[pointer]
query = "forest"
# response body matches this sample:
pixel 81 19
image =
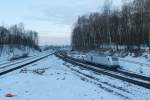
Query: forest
pixel 127 27
pixel 16 36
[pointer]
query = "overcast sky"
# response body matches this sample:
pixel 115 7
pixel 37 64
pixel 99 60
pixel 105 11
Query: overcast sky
pixel 53 19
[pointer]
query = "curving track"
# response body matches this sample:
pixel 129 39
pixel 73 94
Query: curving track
pixel 143 81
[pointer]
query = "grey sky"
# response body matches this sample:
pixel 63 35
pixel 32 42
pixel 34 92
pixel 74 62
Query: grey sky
pixel 53 19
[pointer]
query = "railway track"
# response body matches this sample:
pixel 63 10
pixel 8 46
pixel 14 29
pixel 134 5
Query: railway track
pixel 5 64
pixel 13 61
pixel 12 66
pixel 135 79
pixel 101 84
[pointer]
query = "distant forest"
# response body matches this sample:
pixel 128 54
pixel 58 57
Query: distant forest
pixel 17 37
pixel 127 27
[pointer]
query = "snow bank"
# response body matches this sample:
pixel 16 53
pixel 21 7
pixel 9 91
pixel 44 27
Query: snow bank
pixel 8 53
pixel 137 65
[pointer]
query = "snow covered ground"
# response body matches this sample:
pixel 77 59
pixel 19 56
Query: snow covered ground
pixel 54 79
pixel 139 65
pixel 7 54
pixel 136 65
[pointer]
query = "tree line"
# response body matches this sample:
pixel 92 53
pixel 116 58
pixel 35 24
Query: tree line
pixel 16 36
pixel 128 27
